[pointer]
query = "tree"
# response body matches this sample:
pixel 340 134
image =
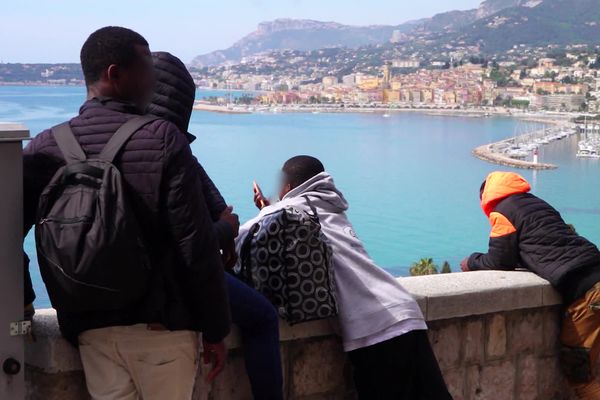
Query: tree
pixel 446 269
pixel 425 266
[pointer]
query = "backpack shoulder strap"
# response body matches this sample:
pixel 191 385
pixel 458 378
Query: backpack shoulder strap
pixel 123 134
pixel 67 143
pixel 312 206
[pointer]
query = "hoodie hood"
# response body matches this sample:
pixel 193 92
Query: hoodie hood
pixel 500 185
pixel 175 91
pixel 323 188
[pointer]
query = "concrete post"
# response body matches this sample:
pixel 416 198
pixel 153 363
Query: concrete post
pixel 12 327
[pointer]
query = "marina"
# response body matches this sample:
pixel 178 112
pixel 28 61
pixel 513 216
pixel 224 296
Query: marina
pixel 522 150
pixel 589 146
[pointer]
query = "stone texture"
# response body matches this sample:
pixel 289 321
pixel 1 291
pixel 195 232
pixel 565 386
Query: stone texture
pixel 496 341
pixel 232 384
pixel 552 384
pixel 59 386
pixel 478 293
pixel 317 368
pixel 493 382
pixel 455 380
pixel 494 334
pixel 50 352
pixel 527 383
pixel 526 332
pixel 550 297
pixel 551 322
pixel 446 342
pixel 474 345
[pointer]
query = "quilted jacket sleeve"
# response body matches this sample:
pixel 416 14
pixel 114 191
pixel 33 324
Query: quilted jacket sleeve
pixel 39 166
pixel 191 228
pixel 503 252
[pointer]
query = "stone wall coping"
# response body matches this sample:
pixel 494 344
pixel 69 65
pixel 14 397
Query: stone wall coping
pixel 456 295
pixel 444 296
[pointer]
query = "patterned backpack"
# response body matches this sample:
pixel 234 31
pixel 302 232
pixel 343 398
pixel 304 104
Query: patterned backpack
pixel 287 258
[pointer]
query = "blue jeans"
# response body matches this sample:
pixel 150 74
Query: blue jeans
pixel 258 322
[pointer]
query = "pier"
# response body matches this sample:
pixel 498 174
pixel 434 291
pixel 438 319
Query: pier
pixel 486 153
pixel 500 152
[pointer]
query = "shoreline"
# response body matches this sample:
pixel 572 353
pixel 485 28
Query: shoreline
pixel 532 116
pixel 484 152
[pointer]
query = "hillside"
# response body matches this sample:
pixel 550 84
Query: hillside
pixel 306 35
pixel 536 23
pixel 297 35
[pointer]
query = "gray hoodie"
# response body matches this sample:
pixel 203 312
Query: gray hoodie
pixel 370 300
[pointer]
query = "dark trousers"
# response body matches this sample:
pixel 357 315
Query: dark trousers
pixel 402 368
pixel 258 322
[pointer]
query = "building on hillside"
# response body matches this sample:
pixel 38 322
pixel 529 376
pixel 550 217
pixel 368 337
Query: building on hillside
pixel 406 64
pixel 329 81
pixel 558 102
pixel 391 96
pixel 368 82
pixel 349 80
pixel 396 36
pixel 546 62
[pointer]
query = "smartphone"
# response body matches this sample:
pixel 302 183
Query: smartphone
pixel 257 190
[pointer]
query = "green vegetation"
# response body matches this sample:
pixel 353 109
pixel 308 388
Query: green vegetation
pixel 426 266
pixel 446 269
pixel 500 76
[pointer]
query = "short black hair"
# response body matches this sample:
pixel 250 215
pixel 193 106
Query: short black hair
pixel 481 189
pixel 299 169
pixel 106 46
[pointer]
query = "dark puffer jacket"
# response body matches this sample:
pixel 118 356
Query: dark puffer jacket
pixel 187 290
pixel 173 100
pixel 527 232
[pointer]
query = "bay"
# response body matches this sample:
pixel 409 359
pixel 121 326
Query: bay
pixel 410 179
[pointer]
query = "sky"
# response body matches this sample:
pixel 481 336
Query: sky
pixel 53 31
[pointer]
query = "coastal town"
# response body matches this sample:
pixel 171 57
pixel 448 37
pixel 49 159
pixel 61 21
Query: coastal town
pixel 569 81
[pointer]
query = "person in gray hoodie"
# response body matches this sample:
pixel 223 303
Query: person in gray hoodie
pixel 382 327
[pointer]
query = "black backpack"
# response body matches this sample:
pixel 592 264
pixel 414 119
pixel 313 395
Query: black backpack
pixel 89 245
pixel 287 258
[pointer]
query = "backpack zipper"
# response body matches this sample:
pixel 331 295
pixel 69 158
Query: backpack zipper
pixel 65 221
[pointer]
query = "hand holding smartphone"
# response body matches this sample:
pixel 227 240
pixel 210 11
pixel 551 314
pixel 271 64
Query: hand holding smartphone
pixel 259 198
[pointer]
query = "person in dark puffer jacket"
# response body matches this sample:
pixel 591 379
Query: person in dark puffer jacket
pixel 256 318
pixel 529 233
pixel 149 347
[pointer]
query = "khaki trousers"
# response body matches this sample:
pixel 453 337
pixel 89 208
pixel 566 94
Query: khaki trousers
pixel 133 363
pixel 580 337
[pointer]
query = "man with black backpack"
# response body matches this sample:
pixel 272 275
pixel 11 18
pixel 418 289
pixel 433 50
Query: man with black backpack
pixel 125 242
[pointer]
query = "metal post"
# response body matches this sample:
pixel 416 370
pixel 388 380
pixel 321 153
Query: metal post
pixel 12 326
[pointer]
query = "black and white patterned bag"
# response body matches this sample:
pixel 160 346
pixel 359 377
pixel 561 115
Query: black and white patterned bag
pixel 287 257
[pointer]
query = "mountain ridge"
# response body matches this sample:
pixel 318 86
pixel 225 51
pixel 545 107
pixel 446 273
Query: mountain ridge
pixel 496 25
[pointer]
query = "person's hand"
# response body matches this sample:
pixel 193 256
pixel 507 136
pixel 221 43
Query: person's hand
pixel 232 219
pixel 260 201
pixel 215 354
pixel 464 265
pixel 230 256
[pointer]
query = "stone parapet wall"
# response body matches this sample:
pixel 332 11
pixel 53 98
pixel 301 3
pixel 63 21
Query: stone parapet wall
pixel 494 333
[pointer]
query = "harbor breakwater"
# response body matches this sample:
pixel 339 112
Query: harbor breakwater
pixel 499 152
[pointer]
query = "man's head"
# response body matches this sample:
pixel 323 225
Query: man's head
pixel 175 91
pixel 298 170
pixel 498 186
pixel 116 63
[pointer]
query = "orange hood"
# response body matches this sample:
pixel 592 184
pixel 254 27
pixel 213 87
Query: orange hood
pixel 500 185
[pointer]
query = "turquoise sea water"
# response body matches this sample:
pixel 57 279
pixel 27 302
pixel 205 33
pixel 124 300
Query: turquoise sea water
pixel 410 179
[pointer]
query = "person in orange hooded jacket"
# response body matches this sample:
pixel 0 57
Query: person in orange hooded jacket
pixel 529 233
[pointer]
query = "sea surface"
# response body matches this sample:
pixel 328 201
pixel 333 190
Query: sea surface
pixel 410 179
